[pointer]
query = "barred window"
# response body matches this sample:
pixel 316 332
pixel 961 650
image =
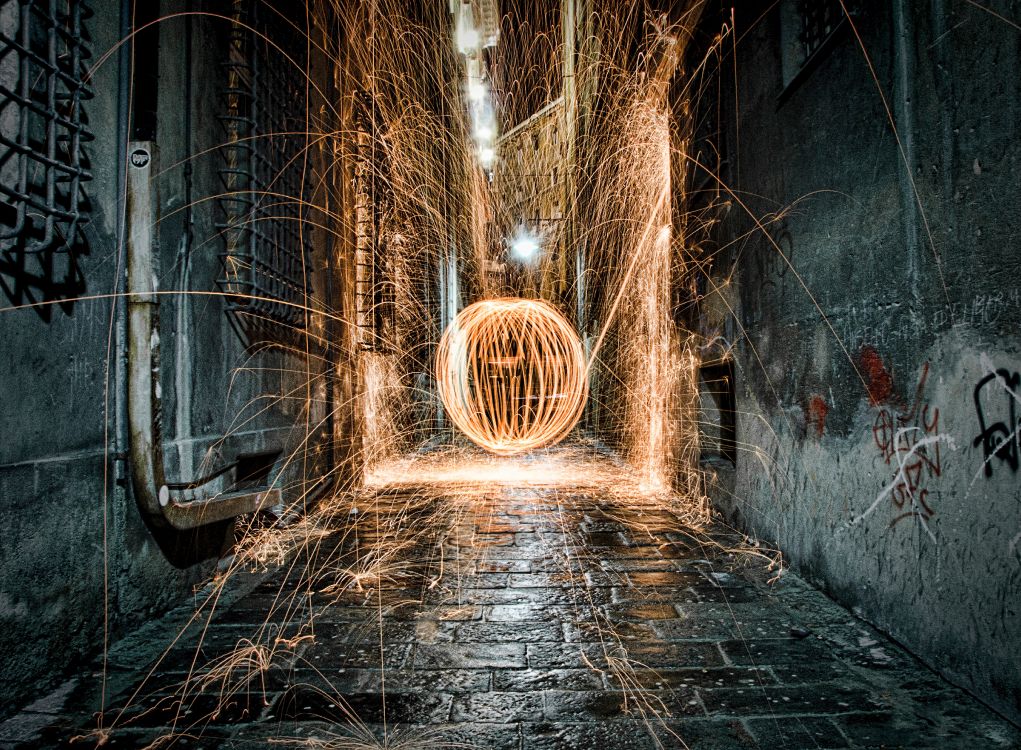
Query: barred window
pixel 43 167
pixel 808 28
pixel 718 411
pixel 819 19
pixel 376 240
pixel 267 242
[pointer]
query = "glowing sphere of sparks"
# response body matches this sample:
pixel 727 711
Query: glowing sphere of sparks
pixel 511 374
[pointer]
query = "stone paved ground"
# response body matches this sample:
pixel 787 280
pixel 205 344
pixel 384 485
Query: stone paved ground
pixel 546 606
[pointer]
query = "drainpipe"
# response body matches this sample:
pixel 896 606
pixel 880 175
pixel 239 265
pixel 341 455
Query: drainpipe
pixel 144 399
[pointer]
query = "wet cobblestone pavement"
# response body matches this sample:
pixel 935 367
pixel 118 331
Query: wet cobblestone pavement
pixel 533 615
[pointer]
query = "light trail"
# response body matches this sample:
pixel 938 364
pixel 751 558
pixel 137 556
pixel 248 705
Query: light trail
pixel 511 374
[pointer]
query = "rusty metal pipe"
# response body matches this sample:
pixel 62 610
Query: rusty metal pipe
pixel 144 396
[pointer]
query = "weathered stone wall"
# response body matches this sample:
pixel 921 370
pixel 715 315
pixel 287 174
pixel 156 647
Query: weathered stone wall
pixel 77 556
pixel 877 304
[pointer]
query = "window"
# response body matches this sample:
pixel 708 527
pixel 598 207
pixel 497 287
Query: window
pixel 808 29
pixel 818 21
pixel 718 411
pixel 267 242
pixel 43 167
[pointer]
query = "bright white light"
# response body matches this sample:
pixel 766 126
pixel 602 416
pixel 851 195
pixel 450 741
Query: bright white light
pixel 476 91
pixel 467 39
pixel 484 134
pixel 486 156
pixel 525 247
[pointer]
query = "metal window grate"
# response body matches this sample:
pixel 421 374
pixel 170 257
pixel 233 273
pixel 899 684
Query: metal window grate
pixel 267 242
pixel 819 19
pixel 43 168
pixel 718 430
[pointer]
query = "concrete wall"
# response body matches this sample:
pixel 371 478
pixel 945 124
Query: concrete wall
pixel 77 556
pixel 876 313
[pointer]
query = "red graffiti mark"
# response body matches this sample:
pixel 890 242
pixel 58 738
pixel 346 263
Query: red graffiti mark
pixel 817 411
pixel 880 383
pixel 897 434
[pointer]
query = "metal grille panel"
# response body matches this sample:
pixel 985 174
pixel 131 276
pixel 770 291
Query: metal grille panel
pixel 374 241
pixel 819 19
pixel 43 54
pixel 267 253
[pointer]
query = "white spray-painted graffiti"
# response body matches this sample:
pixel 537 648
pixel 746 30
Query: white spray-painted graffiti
pixel 983 309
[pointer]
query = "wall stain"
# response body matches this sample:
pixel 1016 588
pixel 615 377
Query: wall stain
pixel 880 382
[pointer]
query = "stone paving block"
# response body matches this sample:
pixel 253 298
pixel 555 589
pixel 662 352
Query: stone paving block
pixel 498 707
pixel 523 680
pixel 404 631
pixel 498 565
pixel 348 681
pixel 710 734
pixel 708 592
pixel 588 705
pixel 638 734
pixel 632 611
pixel 607 578
pixel 520 613
pixel 544 580
pixel 796 731
pixel 362 655
pixel 451 612
pixel 746 620
pixel 473 581
pixel 170 710
pixel 652 595
pixel 470 656
pixel 773 700
pixel 566 656
pixel 475 736
pixel 178 738
pixel 624 734
pixel 673 655
pixel 639 580
pixel 891 729
pixel 798 671
pixel 707 677
pixel 783 651
pixel 504 596
pixel 510 632
pixel 579 596
pixel 624 565
pixel 303 703
pixel 598 632
pixel 688 627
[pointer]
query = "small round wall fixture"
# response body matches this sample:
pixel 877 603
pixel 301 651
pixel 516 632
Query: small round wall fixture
pixel 511 374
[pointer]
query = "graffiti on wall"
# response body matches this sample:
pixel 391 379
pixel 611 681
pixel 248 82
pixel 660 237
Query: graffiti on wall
pixel 983 309
pixel 909 441
pixel 999 419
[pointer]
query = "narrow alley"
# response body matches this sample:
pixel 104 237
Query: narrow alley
pixel 532 374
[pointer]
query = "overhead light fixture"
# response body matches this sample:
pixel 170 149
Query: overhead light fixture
pixel 525 247
pixel 476 91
